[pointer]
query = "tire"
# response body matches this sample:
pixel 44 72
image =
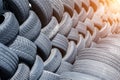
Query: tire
pixel 95 32
pixel 61 43
pixel 71 53
pixel 25 49
pixel 8 63
pixel 44 46
pixel 82 15
pixel 49 76
pixel 113 49
pixel 95 68
pixel 102 56
pixel 37 69
pixel 73 35
pixel 66 24
pixel 82 28
pixel 94 4
pixel 78 5
pixel 77 76
pixel 105 31
pixel 9 27
pixel 20 8
pixel 58 9
pixel 90 25
pixel 81 43
pixel 97 21
pixel 68 6
pixel 64 67
pixel 54 60
pixel 114 27
pixel 88 39
pixel 30 29
pixel 75 18
pixel 85 4
pixel 22 73
pixel 51 29
pixel 43 9
pixel 90 13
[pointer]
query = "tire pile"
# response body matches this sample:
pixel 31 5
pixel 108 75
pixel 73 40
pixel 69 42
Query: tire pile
pixel 59 40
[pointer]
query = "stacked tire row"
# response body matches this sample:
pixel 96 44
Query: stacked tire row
pixel 58 40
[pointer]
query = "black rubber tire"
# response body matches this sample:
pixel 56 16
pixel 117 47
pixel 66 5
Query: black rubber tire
pixel 8 63
pixel 94 4
pixel 58 9
pixel 77 76
pixel 8 28
pixel 25 49
pixel 37 69
pixel 64 67
pixel 61 43
pixel 43 9
pixel 44 46
pixel 54 60
pixel 95 68
pixel 85 4
pixel 77 5
pixel 71 53
pixel 22 72
pixel 30 29
pixel 68 6
pixel 90 25
pixel 82 28
pixel 49 76
pixel 88 39
pixel 20 8
pixel 82 15
pixel 90 13
pixel 99 55
pixel 51 29
pixel 75 18
pixel 73 35
pixel 103 32
pixel 97 21
pixel 66 24
pixel 81 43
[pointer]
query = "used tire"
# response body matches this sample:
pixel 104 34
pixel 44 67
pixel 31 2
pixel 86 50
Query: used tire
pixel 22 73
pixel 44 46
pixel 82 15
pixel 37 69
pixel 54 60
pixel 78 5
pixel 64 67
pixel 58 9
pixel 71 53
pixel 8 63
pixel 9 27
pixel 66 24
pixel 51 29
pixel 25 49
pixel 81 43
pixel 68 6
pixel 20 8
pixel 77 76
pixel 43 9
pixel 82 28
pixel 61 43
pixel 30 29
pixel 95 68
pixel 49 76
pixel 73 35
